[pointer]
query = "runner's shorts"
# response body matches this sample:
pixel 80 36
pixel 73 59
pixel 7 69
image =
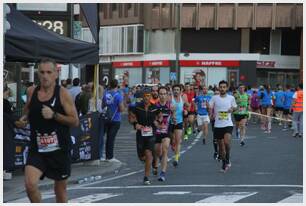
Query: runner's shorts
pixel 220 132
pixel 239 117
pixel 201 119
pixel 279 109
pixel 287 111
pixel 54 165
pixel 144 143
pixel 160 137
pixel 176 126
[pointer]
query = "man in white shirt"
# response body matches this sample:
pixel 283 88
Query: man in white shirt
pixel 75 89
pixel 223 105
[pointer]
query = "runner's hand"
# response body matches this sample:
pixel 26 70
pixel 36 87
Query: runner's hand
pixel 139 126
pixel 47 112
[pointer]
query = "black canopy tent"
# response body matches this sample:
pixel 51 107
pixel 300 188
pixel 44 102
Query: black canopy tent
pixel 28 42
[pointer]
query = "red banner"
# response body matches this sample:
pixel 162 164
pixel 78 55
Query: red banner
pixel 161 63
pixel 265 64
pixel 209 63
pixel 127 64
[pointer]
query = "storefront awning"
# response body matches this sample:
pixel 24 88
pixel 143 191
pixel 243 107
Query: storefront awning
pixel 28 42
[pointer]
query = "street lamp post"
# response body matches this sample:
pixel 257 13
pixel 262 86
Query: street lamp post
pixel 177 42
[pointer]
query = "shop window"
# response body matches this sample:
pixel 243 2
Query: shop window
pixel 114 7
pixel 121 39
pixel 260 41
pixel 291 41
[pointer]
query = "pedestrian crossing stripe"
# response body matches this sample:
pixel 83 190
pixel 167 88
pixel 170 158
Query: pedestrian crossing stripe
pixel 93 197
pixel 295 198
pixel 225 197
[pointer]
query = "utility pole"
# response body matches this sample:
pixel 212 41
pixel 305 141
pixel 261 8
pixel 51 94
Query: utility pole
pixel 177 41
pixel 71 36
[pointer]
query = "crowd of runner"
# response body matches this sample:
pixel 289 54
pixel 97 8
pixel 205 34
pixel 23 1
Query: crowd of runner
pixel 165 115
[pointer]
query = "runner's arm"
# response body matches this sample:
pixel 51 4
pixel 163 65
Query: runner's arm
pixel 71 118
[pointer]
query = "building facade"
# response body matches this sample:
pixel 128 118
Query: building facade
pixel 141 43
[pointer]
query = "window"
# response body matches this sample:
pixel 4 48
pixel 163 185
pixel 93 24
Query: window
pixel 291 41
pixel 121 39
pixel 155 5
pixel 114 7
pixel 260 41
pixel 129 6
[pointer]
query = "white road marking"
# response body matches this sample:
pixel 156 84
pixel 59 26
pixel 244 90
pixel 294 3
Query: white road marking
pixel 171 193
pixel 295 198
pixel 93 198
pixel 26 199
pixel 186 186
pixel 227 198
pixel 128 174
pixel 263 173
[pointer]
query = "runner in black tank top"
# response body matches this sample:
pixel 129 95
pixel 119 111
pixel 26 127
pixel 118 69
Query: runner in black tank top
pixel 53 135
pixel 50 111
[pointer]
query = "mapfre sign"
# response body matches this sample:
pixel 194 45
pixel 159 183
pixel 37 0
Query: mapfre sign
pixel 209 63
pixel 265 64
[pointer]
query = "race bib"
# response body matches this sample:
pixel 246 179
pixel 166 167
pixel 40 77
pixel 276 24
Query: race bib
pixel 223 116
pixel 203 105
pixel 147 132
pixel 47 142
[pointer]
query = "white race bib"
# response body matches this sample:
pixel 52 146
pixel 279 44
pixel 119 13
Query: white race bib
pixel 147 132
pixel 47 142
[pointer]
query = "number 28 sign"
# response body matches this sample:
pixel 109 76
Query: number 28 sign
pixel 57 26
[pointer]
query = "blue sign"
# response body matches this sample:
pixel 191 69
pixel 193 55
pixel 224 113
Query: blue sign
pixel 173 76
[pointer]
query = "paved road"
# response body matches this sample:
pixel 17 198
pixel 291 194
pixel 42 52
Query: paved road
pixel 268 169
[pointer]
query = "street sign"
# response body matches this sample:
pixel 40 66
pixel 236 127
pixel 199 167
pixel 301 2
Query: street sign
pixel 172 76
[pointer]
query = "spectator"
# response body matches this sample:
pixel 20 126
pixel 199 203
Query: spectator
pixel 82 99
pixel 64 83
pixel 75 89
pixel 113 100
pixel 68 82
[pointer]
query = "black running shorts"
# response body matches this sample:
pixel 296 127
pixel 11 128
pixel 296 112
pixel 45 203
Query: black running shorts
pixel 286 111
pixel 144 143
pixel 176 126
pixel 160 137
pixel 239 117
pixel 54 165
pixel 220 132
pixel 279 109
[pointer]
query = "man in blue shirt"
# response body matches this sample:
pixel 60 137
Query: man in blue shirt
pixel 201 103
pixel 279 103
pixel 288 94
pixel 113 100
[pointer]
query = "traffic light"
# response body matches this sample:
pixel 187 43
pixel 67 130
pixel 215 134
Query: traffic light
pixel 6 24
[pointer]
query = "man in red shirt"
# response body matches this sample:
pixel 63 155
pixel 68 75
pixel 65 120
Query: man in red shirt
pixel 189 119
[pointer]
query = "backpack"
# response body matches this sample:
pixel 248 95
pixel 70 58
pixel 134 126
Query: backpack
pixel 107 114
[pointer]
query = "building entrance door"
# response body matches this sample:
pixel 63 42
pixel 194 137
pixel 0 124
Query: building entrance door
pixel 233 78
pixel 275 78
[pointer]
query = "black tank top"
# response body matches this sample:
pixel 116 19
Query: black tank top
pixel 48 135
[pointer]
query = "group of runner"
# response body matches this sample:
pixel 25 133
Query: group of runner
pixel 165 115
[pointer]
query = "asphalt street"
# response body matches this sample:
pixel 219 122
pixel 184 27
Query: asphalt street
pixel 268 169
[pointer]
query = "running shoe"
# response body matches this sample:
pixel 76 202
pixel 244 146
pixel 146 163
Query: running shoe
pixel 186 137
pixel 300 135
pixel 154 171
pixel 175 163
pixel 189 130
pixel 219 158
pixel 267 131
pixel 295 134
pixel 146 181
pixel 215 155
pixel 204 141
pixel 242 143
pixel 162 177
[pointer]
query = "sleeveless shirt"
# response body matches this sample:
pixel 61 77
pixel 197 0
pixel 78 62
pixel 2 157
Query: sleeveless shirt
pixel 47 135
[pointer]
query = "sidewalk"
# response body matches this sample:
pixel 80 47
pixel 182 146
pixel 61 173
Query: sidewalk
pixel 14 189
